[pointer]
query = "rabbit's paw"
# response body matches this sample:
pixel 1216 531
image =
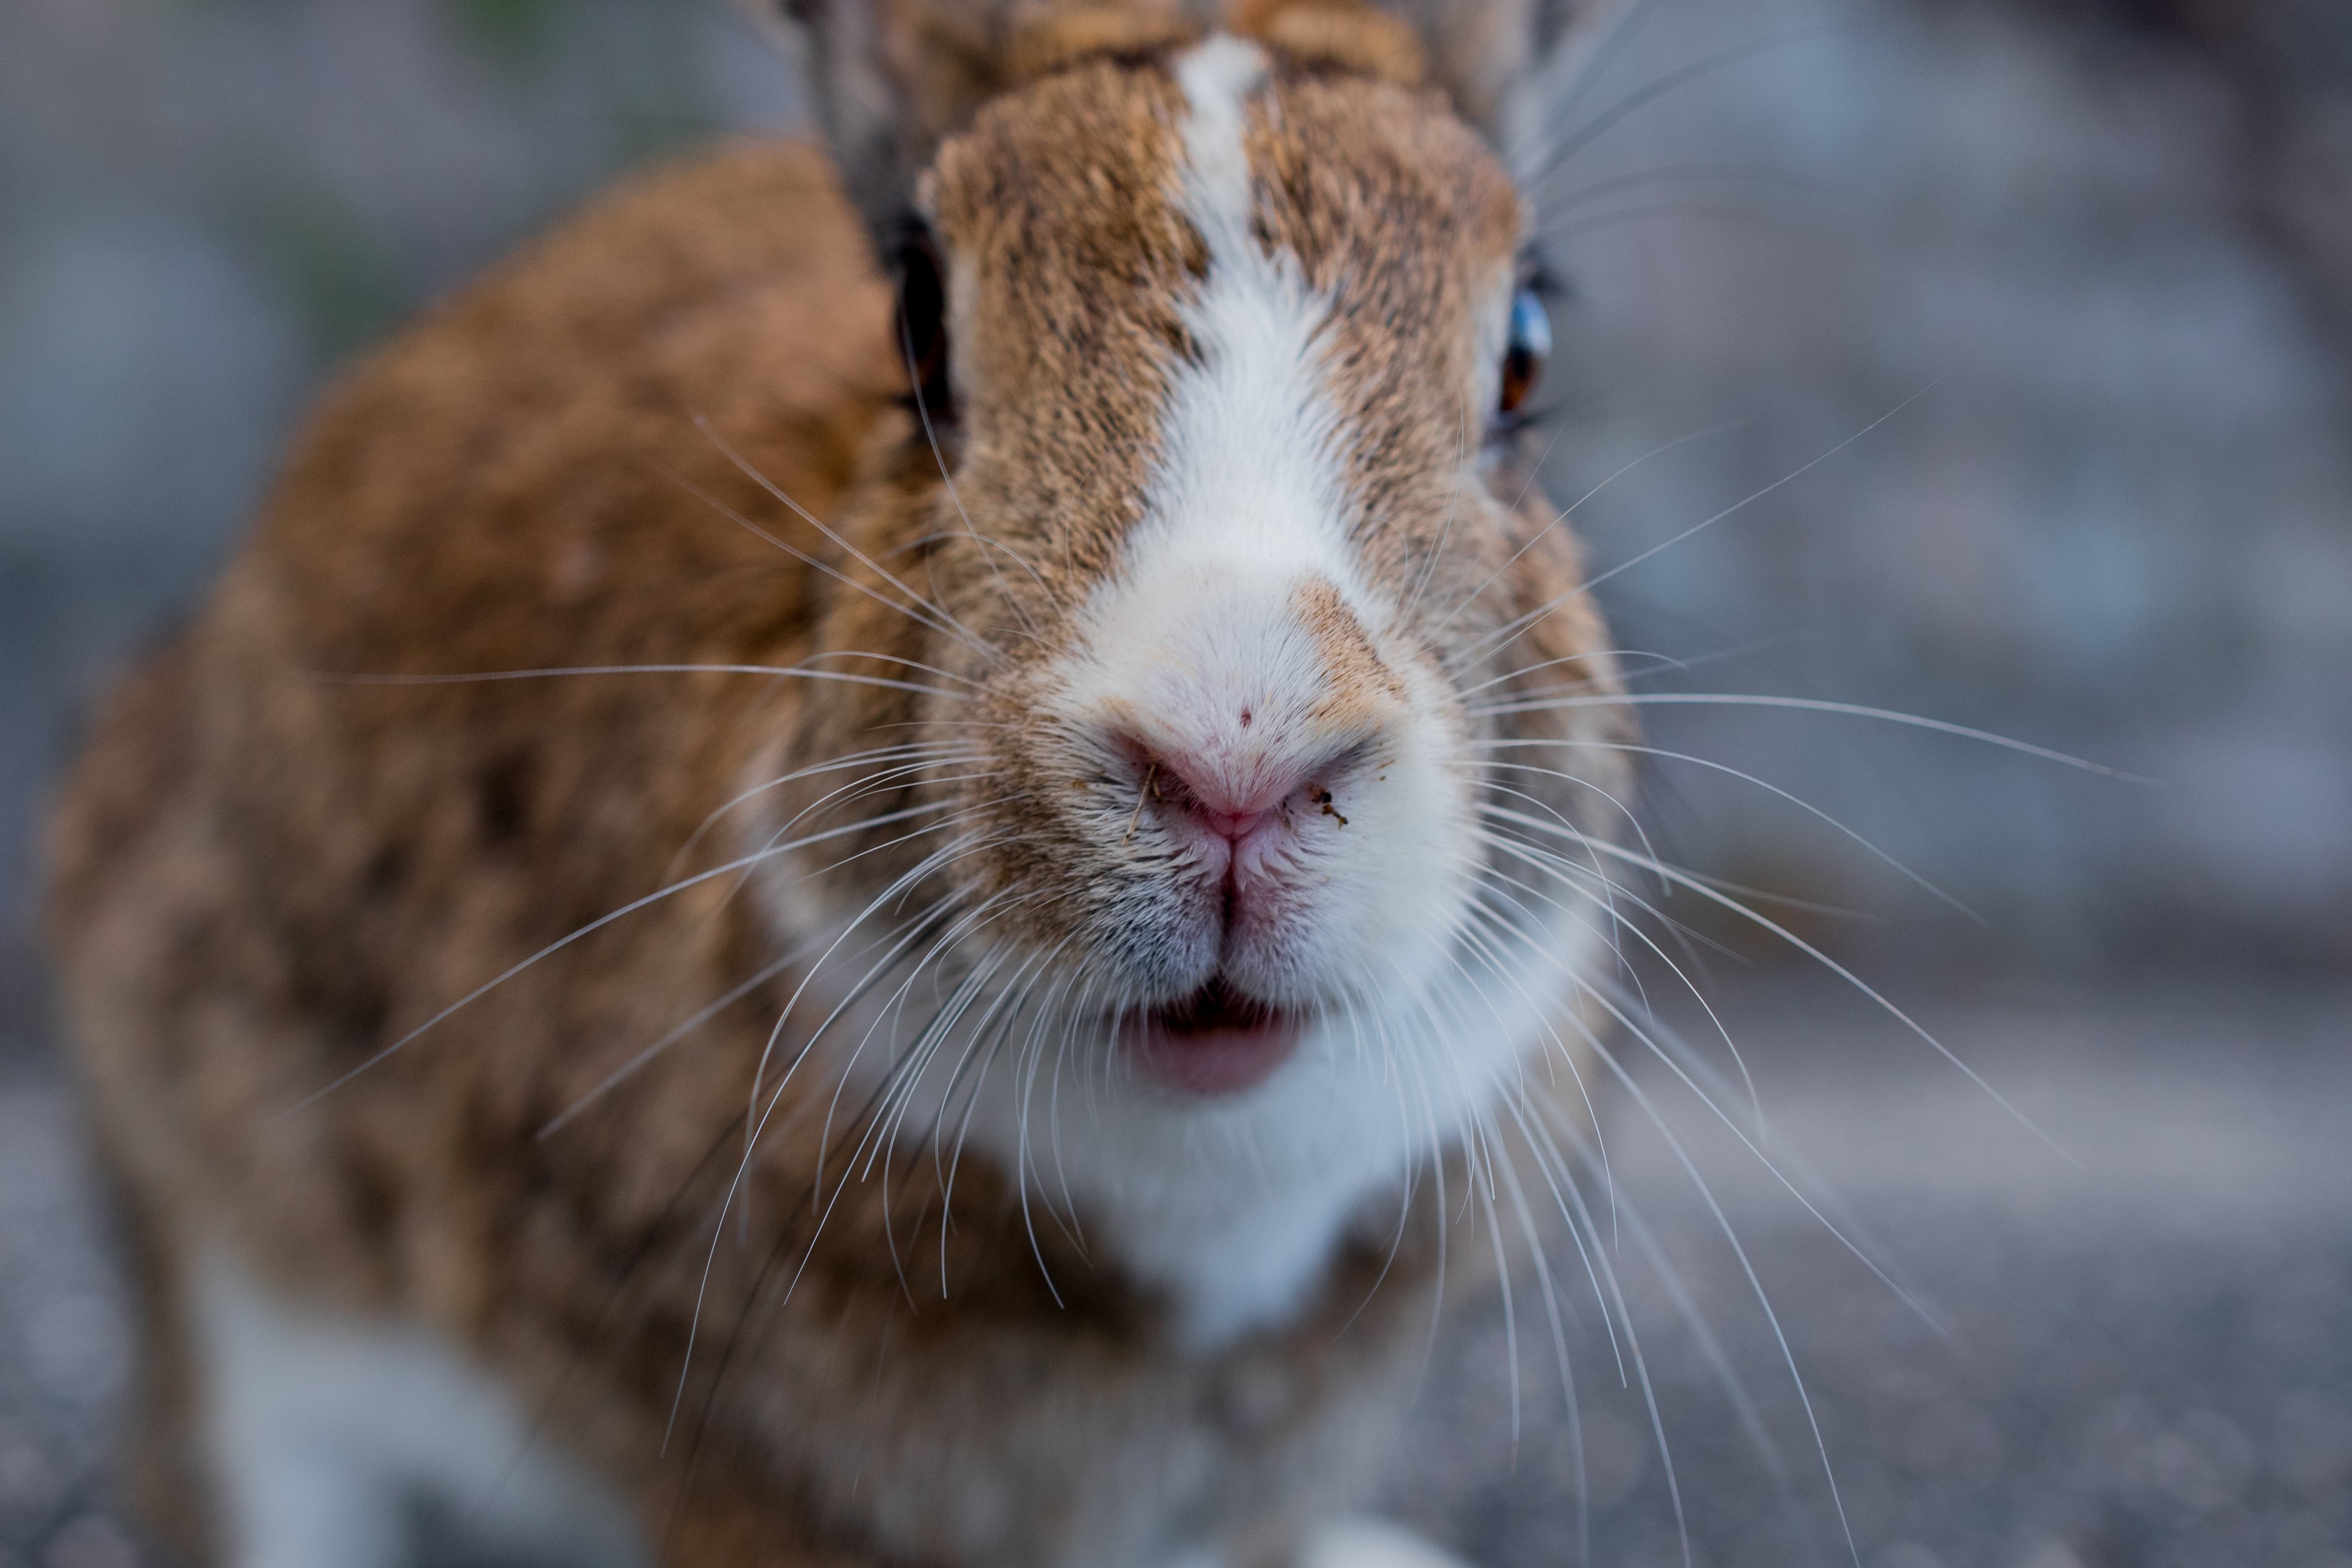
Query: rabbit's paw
pixel 1370 1543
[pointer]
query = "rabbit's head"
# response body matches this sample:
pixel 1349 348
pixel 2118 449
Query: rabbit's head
pixel 1224 771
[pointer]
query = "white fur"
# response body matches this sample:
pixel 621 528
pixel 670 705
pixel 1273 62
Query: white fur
pixel 1248 484
pixel 1368 1544
pixel 1236 1206
pixel 328 1435
pixel 1217 77
pixel 1352 1542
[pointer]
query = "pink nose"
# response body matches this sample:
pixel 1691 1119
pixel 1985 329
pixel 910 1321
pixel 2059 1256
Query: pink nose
pixel 1230 796
pixel 1234 824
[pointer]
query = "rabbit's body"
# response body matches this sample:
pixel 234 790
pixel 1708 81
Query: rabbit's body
pixel 750 1291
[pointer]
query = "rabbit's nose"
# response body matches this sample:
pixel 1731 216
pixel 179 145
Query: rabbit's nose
pixel 1245 714
pixel 1234 791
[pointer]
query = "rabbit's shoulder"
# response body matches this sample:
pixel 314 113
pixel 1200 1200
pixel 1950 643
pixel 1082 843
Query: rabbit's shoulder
pixel 268 846
pixel 594 415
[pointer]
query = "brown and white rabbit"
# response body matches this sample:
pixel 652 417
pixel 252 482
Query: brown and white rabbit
pixel 761 928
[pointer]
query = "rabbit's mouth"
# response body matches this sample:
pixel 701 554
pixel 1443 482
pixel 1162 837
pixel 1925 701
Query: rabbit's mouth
pixel 1215 1041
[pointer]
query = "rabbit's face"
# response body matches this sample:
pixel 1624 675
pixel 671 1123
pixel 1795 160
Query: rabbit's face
pixel 1227 588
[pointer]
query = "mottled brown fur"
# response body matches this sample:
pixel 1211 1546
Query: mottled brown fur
pixel 1334 35
pixel 275 863
pixel 895 78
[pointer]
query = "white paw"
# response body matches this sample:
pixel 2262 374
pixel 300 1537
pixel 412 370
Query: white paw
pixel 1368 1543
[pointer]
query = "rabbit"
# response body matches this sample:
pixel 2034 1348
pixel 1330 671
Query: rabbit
pixel 864 855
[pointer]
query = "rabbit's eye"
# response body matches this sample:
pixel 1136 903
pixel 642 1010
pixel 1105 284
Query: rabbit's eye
pixel 923 322
pixel 1529 346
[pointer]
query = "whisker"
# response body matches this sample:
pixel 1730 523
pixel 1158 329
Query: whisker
pixel 1029 1059
pixel 741 1170
pixel 1816 705
pixel 1571 509
pixel 1602 53
pixel 897 888
pixel 1756 1285
pixel 800 672
pixel 884 781
pixel 1802 805
pixel 1559 233
pixel 1615 656
pixel 1654 664
pixel 1738 1059
pixel 938 458
pixel 1722 901
pixel 946 622
pixel 646 1056
pixel 933 754
pixel 555 947
pixel 1686 173
pixel 1590 583
pixel 1613 890
pixel 1623 810
pixel 1571 141
pixel 972 1104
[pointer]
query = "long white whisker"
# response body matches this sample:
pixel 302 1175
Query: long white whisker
pixel 1680 173
pixel 945 622
pixel 1568 142
pixel 1739 1060
pixel 645 1058
pixel 1683 879
pixel 1602 53
pixel 1575 688
pixel 1749 499
pixel 897 888
pixel 1812 705
pixel 1731 1236
pixel 741 1170
pixel 800 673
pixel 557 946
pixel 1769 788
pixel 1570 510
pixel 948 479
pixel 933 754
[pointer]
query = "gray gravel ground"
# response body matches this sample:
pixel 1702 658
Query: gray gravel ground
pixel 2143 1359
pixel 2144 1356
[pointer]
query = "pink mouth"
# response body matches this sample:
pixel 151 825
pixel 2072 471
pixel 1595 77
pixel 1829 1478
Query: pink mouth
pixel 1215 1041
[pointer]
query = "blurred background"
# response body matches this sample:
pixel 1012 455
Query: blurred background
pixel 2023 329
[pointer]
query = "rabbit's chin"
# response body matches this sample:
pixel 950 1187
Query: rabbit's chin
pixel 1219 1149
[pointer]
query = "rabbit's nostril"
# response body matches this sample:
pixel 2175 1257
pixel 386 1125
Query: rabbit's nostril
pixel 1228 795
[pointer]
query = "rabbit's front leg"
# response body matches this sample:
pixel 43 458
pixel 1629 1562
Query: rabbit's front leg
pixel 330 1439
pixel 1360 1542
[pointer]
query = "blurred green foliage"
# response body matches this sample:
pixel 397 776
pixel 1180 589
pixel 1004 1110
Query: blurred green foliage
pixel 338 277
pixel 509 32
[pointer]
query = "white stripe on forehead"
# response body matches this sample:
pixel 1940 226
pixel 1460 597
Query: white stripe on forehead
pixel 1247 479
pixel 1218 77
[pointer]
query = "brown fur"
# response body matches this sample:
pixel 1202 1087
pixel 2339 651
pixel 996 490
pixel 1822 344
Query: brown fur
pixel 895 78
pixel 1391 206
pixel 267 872
pixel 1336 34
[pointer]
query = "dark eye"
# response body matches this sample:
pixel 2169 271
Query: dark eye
pixel 923 322
pixel 1529 346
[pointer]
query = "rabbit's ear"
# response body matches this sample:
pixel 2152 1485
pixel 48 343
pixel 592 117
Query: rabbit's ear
pixel 892 79
pixel 1493 57
pixel 1495 60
